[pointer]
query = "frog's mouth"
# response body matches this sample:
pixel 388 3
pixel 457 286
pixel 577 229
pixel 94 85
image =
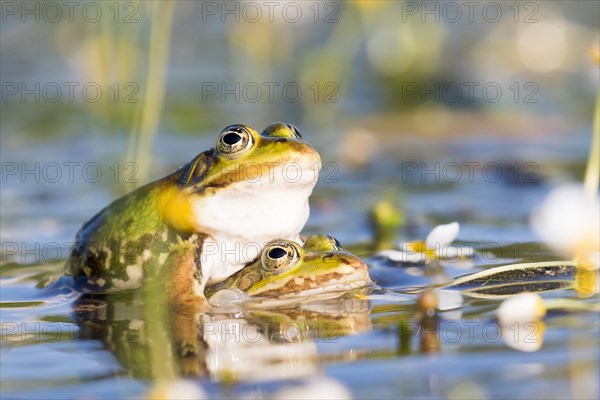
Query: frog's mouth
pixel 284 296
pixel 334 290
pixel 324 293
pixel 334 283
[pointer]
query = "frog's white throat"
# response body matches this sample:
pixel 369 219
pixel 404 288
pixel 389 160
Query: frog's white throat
pixel 241 219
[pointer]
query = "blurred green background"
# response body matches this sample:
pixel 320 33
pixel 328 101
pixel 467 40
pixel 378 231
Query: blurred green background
pixel 373 84
pixel 327 66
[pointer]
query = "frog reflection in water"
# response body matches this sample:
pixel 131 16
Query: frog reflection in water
pixel 207 343
pixel 208 219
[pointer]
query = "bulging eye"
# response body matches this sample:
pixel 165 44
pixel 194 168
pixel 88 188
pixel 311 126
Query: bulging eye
pixel 295 130
pixel 322 244
pixel 334 243
pixel 234 140
pixel 281 130
pixel 279 256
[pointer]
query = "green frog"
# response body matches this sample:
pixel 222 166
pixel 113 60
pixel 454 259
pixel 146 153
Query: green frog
pixel 207 219
pixel 286 269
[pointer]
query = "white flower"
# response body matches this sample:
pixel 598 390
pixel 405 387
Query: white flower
pixel 442 235
pixel 520 321
pixel 525 336
pixel 568 221
pixel 524 307
pixel 437 246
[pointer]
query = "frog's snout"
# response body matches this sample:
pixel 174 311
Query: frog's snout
pixel 352 260
pixel 360 271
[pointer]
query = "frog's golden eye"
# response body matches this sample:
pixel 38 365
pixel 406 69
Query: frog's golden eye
pixel 234 140
pixel 279 256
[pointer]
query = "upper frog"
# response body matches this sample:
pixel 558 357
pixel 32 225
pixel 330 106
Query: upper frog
pixel 286 269
pixel 211 216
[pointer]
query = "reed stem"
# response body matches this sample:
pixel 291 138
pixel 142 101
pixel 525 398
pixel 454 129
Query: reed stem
pixel 160 34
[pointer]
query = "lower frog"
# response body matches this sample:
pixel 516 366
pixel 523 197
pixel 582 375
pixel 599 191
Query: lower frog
pixel 209 218
pixel 285 270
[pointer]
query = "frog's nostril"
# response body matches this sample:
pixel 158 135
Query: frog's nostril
pixel 231 138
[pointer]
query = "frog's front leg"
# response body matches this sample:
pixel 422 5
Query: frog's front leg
pixel 184 283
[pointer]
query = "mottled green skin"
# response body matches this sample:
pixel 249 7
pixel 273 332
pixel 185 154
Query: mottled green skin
pixel 321 264
pixel 117 236
pixel 132 238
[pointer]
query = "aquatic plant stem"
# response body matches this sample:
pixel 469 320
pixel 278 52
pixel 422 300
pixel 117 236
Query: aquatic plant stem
pixel 143 130
pixel 160 34
pixel 592 172
pixel 158 333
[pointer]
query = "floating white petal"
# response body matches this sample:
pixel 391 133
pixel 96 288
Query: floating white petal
pixel 524 336
pixel 442 235
pixel 520 321
pixel 522 308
